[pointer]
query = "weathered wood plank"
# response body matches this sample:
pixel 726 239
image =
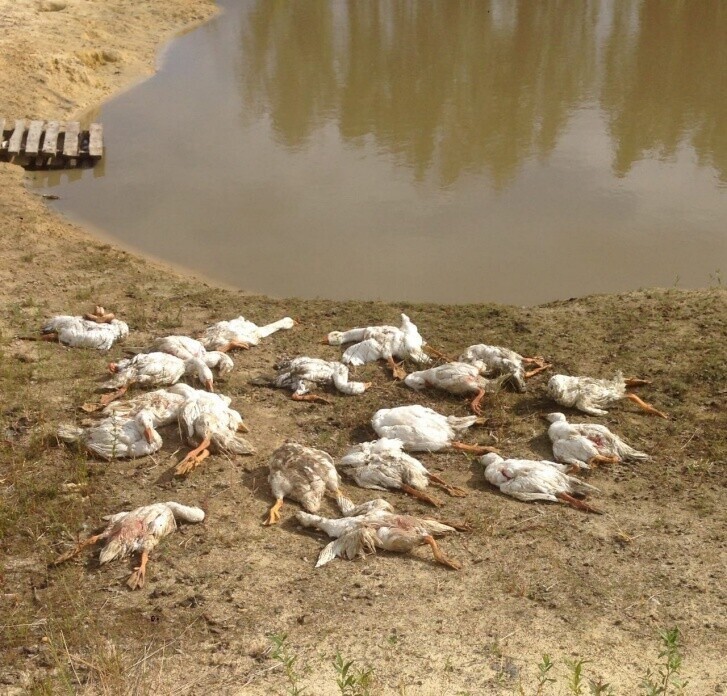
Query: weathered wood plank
pixel 95 143
pixel 70 143
pixel 50 141
pixel 16 138
pixel 32 144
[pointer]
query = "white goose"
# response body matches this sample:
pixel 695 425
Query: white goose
pixel 117 437
pixel 529 480
pixel 81 332
pixel 186 348
pixel 382 343
pixel 496 360
pixel 163 404
pixel 301 374
pixel 456 378
pixel 592 395
pixel 422 429
pixel 383 465
pixel 583 445
pixel 206 421
pixel 304 474
pixel 357 536
pixel 240 333
pixel 154 370
pixel 136 531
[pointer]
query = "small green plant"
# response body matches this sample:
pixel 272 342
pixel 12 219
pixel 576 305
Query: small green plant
pixel 575 681
pixel 544 668
pixel 667 679
pixel 352 680
pixel 282 654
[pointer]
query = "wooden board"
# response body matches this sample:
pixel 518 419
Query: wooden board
pixel 95 143
pixel 50 141
pixel 32 144
pixel 16 138
pixel 70 143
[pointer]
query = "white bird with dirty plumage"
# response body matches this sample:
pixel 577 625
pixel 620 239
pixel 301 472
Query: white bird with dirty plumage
pixel 456 378
pixel 117 437
pixel 583 445
pixel 208 423
pixel 378 529
pixel 186 348
pixel 304 474
pixel 529 480
pixel 240 333
pixel 383 465
pixel 137 531
pixel 302 374
pixel 592 395
pixel 422 429
pixel 80 332
pixel 496 360
pixel 374 343
pixel 154 370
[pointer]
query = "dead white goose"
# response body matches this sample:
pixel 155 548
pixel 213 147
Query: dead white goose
pixel 496 360
pixel 378 529
pixel 302 374
pixel 116 437
pixel 592 395
pixel 422 429
pixel 531 481
pixel 374 343
pixel 240 333
pixel 456 378
pixel 303 474
pixel 383 465
pixel 138 530
pixel 583 445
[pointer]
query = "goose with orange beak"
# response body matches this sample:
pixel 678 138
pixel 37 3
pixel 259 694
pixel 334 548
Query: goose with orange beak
pixel 116 437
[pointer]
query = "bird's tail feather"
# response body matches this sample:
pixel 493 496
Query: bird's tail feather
pixel 69 433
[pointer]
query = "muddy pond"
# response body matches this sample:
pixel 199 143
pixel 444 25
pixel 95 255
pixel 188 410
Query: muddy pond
pixel 425 150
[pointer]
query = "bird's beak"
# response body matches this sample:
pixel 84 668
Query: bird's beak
pixel 208 384
pixel 149 435
pixel 243 428
pixel 113 368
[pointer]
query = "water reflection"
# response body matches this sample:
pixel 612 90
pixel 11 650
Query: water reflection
pixel 461 86
pixel 450 86
pixel 664 85
pixel 432 150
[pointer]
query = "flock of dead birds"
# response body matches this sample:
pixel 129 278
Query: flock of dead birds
pixel 207 422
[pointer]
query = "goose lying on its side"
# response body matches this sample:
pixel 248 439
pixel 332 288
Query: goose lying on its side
pixel 592 395
pixel 137 531
pixel 154 370
pixel 357 536
pixel 384 465
pixel 117 437
pixel 496 360
pixel 584 444
pixel 456 378
pixel 374 343
pixel 424 430
pixel 536 480
pixel 301 374
pixel 186 348
pixel 81 332
pixel 240 333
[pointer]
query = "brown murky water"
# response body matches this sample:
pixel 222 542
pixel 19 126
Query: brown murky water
pixel 441 150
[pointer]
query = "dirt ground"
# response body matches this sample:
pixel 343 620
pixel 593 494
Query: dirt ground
pixel 535 579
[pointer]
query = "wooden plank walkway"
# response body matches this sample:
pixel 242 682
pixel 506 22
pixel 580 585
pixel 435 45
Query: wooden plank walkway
pixel 50 145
